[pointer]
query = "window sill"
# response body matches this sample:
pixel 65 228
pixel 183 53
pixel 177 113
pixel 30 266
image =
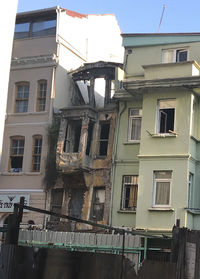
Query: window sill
pixel 27 113
pixel 20 173
pixel 132 142
pixel 166 135
pixel 126 211
pixel 161 209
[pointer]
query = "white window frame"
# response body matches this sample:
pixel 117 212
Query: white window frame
pixel 123 198
pixel 131 119
pixel 190 189
pixel 175 50
pixel 155 180
pixel 158 118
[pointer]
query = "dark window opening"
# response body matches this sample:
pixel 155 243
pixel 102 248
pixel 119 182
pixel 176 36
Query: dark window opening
pixel 103 139
pixel 56 203
pixel 16 163
pixel 166 120
pixel 89 139
pixel 181 55
pixel 16 154
pixel 98 202
pixel 77 134
pixel 72 137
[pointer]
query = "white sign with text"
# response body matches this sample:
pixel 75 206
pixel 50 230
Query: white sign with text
pixel 7 201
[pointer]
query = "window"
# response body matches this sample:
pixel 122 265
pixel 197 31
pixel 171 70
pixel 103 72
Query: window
pixel 37 150
pixel 89 138
pixel 22 95
pixel 35 29
pixel 56 203
pixel 16 154
pixel 72 136
pixel 44 28
pixel 174 55
pixel 190 190
pixel 134 128
pixel 98 202
pixel 166 113
pixel 129 192
pixel 162 188
pixel 41 96
pixel 22 30
pixel 104 138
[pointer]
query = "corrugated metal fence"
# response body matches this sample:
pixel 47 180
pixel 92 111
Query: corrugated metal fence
pixel 90 242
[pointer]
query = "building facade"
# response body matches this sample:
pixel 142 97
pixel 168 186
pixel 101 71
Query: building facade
pixel 84 149
pixel 47 45
pixel 156 161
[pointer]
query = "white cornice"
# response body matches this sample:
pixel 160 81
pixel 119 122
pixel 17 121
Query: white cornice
pixel 34 61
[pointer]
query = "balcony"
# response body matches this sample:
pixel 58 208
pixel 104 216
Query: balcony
pixel 171 70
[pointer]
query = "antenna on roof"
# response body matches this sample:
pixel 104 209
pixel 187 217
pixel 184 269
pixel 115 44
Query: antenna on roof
pixel 164 6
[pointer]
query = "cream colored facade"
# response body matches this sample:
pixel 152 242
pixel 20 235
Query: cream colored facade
pixel 158 94
pixel 6 50
pixel 43 53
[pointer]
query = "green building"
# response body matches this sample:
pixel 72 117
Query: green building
pixel 156 163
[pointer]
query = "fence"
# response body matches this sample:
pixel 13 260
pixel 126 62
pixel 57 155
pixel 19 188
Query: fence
pixel 129 245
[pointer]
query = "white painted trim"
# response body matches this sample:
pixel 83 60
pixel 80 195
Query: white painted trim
pixel 35 123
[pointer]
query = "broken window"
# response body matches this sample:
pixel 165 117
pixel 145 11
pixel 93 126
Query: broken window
pixel 98 201
pixel 162 188
pixel 72 137
pixel 56 203
pixel 135 119
pixel 174 55
pixel 129 192
pixel 104 138
pixel 22 96
pixel 41 95
pixel 16 154
pixel 89 138
pixel 166 113
pixel 37 150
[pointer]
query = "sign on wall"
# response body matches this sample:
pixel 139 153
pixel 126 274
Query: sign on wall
pixel 7 201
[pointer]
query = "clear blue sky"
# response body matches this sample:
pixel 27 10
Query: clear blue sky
pixel 134 16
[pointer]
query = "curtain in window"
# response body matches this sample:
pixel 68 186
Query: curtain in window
pixel 168 56
pixel 162 193
pixel 136 129
pixel 133 197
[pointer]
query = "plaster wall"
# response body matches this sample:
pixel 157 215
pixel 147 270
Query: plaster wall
pixel 166 145
pixel 7 24
pixel 152 218
pixel 34 46
pixel 147 55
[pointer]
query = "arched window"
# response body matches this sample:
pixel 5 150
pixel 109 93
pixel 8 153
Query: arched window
pixel 16 153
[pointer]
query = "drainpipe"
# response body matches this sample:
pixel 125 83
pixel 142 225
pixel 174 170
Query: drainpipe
pixel 113 159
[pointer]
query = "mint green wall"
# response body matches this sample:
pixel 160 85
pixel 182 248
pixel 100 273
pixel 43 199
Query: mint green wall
pixel 172 145
pixel 147 55
pixel 161 220
pixel 126 162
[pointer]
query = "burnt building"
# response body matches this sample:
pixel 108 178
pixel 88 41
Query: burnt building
pixel 85 146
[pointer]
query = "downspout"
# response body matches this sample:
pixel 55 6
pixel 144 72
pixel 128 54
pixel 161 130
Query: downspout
pixel 113 170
